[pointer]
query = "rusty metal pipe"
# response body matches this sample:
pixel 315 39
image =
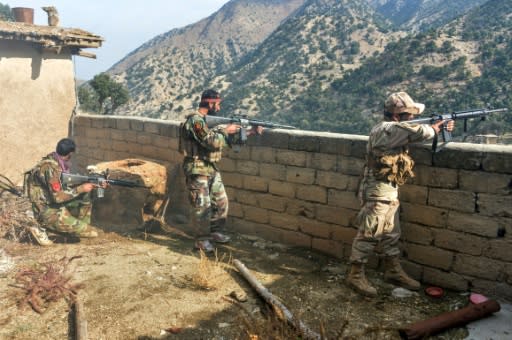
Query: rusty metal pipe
pixel 460 317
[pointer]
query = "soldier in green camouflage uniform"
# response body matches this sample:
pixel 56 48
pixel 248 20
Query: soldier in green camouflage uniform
pixel 388 166
pixel 202 150
pixel 63 210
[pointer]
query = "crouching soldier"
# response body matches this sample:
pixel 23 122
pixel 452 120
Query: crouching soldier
pixel 60 209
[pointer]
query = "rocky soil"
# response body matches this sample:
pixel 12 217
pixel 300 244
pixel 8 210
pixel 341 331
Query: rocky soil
pixel 140 285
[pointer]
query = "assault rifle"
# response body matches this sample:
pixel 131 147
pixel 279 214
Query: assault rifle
pixel 245 123
pixel 97 179
pixel 465 115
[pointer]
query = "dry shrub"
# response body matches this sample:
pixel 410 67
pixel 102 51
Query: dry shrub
pixel 15 218
pixel 271 327
pixel 47 282
pixel 211 273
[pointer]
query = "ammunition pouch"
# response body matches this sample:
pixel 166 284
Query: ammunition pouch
pixel 392 168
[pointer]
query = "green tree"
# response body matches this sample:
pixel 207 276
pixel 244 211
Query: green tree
pixel 88 99
pixel 6 13
pixel 106 95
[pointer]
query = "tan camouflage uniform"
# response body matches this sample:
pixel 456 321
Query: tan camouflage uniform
pixel 388 167
pixel 202 148
pixel 55 207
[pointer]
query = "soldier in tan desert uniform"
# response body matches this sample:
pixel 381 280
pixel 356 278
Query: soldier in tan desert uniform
pixel 58 208
pixel 388 166
pixel 202 150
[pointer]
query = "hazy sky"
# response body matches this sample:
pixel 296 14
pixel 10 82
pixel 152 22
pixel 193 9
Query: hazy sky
pixel 124 24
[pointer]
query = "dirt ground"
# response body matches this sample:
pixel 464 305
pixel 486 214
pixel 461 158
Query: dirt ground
pixel 139 285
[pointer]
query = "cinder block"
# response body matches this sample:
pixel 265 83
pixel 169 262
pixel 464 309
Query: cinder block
pixel 263 154
pixel 255 214
pixel 484 182
pixel 445 279
pixel 476 224
pixel 322 161
pixel 477 266
pixel 435 177
pixel 304 142
pixel 329 247
pixel 344 199
pixel 271 202
pixel 248 167
pixel 296 239
pixel 430 216
pixel 152 127
pixel 283 189
pixel 430 256
pixel 236 210
pixel 499 250
pixel 459 242
pixel 136 125
pixel 495 205
pixel 255 183
pixel 335 215
pixel 300 175
pixel 497 158
pixel 315 228
pixel 351 166
pixel 294 158
pixel 463 201
pixel 459 156
pixel 416 233
pixel 273 171
pixel 330 179
pixel 312 193
pixel 413 194
pixel 284 221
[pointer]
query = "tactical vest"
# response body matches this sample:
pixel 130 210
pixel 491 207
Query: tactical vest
pixel 394 168
pixel 191 148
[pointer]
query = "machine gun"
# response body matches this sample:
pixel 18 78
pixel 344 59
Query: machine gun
pixel 97 179
pixel 465 115
pixel 245 123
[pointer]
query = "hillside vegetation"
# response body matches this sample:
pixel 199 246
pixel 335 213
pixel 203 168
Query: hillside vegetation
pixel 328 64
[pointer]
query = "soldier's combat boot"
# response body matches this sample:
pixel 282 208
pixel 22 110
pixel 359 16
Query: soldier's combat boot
pixel 89 232
pixel 40 236
pixel 357 280
pixel 396 275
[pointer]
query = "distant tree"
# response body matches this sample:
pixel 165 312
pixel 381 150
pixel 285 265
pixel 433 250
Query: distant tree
pixel 6 13
pixel 88 99
pixel 106 95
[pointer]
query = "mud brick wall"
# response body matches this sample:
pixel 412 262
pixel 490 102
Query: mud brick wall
pixel 298 188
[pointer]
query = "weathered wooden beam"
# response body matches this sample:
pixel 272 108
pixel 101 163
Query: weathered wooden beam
pixel 278 307
pixel 86 54
pixel 80 321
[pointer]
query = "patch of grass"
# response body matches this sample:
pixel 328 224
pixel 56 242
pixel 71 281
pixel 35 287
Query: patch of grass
pixel 211 272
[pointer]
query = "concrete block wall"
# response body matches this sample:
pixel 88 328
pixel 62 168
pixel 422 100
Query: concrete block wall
pixel 298 188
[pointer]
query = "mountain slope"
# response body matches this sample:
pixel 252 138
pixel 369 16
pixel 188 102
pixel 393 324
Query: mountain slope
pixel 162 72
pixel 467 64
pixel 420 15
pixel 323 40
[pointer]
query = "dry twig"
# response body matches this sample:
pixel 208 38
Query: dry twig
pixel 47 283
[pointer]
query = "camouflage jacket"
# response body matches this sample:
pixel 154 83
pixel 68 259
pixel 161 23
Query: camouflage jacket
pixel 388 163
pixel 202 146
pixel 44 187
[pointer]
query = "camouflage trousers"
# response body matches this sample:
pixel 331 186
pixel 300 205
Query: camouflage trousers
pixel 378 231
pixel 72 217
pixel 209 204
